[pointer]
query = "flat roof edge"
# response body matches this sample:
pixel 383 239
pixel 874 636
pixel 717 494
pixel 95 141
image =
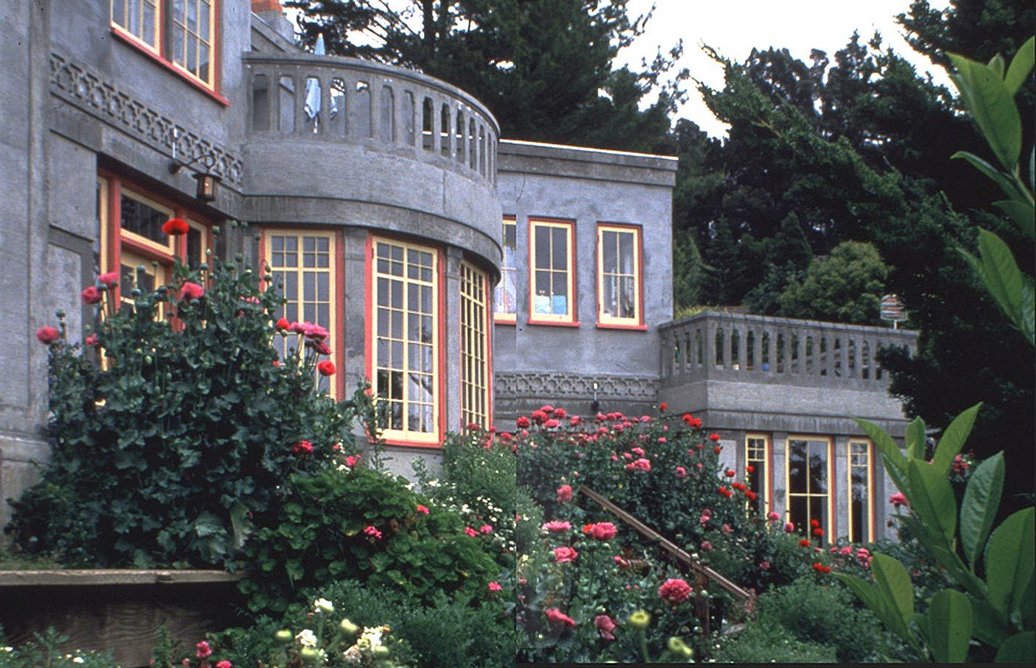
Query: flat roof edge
pixel 588 151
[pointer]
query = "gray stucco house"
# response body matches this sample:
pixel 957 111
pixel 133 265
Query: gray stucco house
pixel 469 278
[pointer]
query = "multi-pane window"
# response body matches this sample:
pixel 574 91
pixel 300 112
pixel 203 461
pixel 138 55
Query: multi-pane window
pixel 757 474
pixel 861 496
pixel 474 335
pixel 505 298
pixel 618 276
pixel 139 18
pixel 809 484
pixel 192 37
pixel 406 351
pixel 132 241
pixel 303 265
pixel 552 276
pixel 179 32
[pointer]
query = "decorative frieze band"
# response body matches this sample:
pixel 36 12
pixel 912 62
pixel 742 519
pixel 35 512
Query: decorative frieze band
pixel 553 386
pixel 93 94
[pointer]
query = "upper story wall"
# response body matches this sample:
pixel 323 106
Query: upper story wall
pixel 586 187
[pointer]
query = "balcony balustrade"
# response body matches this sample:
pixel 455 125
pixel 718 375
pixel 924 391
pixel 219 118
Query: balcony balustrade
pixel 761 349
pixel 379 107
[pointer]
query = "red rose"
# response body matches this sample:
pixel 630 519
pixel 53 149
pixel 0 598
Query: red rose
pixel 110 279
pixel 283 324
pixel 718 449
pixel 522 422
pixel 814 523
pixel 804 542
pixel 92 340
pixel 190 290
pixel 558 617
pixel 175 227
pixel 713 437
pixel 729 473
pixel 603 531
pixel 326 368
pixel 663 407
pixel 752 496
pixel 91 295
pixel 605 626
pixel 675 590
pixel 48 334
pixel 321 347
pixel 818 532
pixel 302 448
pixel 725 492
pixel 821 568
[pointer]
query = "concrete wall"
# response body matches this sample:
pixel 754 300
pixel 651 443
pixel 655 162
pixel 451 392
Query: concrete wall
pixel 535 363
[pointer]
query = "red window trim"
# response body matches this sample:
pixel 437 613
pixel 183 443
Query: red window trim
pixel 573 276
pixel 338 313
pixel 157 56
pixel 638 231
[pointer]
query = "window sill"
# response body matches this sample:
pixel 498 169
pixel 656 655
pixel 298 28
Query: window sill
pixel 417 445
pixel 553 323
pixel 628 328
pixel 506 323
pixel 168 65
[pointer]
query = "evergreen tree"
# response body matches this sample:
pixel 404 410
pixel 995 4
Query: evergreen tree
pixel 543 67
pixel 845 286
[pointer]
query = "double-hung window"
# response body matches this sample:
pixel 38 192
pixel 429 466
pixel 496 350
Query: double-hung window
pixel 552 272
pixel 303 264
pixel 619 294
pixel 474 351
pixel 861 491
pixel 809 464
pixel 505 298
pixel 757 470
pixel 405 354
pixel 181 33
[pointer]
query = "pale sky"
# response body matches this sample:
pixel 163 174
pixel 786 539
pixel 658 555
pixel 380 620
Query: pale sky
pixel 734 27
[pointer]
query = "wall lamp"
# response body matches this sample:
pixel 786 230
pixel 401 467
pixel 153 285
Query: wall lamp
pixel 206 188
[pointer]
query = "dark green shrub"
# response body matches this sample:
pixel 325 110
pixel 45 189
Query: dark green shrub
pixel 761 643
pixel 366 525
pixel 170 452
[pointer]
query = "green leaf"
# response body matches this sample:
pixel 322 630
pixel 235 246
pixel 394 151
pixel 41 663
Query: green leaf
pixel 931 498
pixel 949 626
pixel 1004 281
pixel 989 628
pixel 991 172
pixel 953 438
pixel 1021 212
pixel 870 597
pixel 894 587
pixel 992 106
pixel 980 504
pixel 1020 68
pixel 915 439
pixel 1011 560
pixel 1019 648
pixel 891 456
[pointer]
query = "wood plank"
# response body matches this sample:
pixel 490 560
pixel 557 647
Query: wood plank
pixel 667 545
pixel 93 578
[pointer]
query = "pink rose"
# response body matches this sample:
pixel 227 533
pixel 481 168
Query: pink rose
pixel 557 526
pixel 706 546
pixel 564 554
pixel 681 472
pixel 92 341
pixel 675 590
pixel 422 509
pixel 224 664
pixel 899 499
pixel 372 531
pixel 765 565
pixel 551 424
pixel 494 587
pixel 202 650
pixel 302 448
pixel 110 279
pixel 605 626
pixel 565 493
pixel 789 527
pixel 486 529
pixel 772 516
pixel 471 532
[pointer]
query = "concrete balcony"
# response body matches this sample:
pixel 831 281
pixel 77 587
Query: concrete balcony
pixel 771 370
pixel 341 141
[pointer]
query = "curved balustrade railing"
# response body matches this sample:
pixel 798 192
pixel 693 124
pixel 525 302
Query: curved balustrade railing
pixel 380 107
pixel 752 348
